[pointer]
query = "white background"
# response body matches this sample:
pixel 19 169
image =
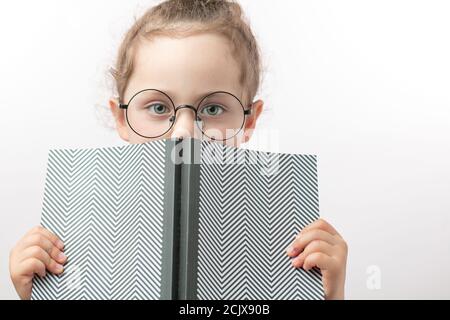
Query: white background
pixel 363 84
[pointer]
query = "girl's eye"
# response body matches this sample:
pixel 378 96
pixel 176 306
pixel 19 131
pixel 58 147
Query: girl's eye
pixel 213 110
pixel 157 108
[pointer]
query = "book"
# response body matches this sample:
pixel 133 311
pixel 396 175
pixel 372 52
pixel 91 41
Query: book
pixel 179 219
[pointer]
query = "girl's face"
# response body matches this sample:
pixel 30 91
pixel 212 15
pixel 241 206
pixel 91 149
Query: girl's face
pixel 186 69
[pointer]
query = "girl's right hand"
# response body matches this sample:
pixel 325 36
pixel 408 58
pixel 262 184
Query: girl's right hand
pixel 39 250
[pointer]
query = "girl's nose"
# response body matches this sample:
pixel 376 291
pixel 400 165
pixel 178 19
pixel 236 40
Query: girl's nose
pixel 185 125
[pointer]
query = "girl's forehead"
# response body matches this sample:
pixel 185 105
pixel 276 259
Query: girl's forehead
pixel 194 64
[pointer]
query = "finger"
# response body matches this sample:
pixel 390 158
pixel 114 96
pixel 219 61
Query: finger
pixel 38 239
pixel 322 225
pixel 312 247
pixel 301 242
pixel 53 238
pixel 49 235
pixel 32 266
pixel 320 260
pixel 42 255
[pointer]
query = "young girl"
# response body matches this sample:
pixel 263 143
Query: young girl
pixel 188 68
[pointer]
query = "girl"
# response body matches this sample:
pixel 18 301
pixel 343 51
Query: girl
pixel 188 68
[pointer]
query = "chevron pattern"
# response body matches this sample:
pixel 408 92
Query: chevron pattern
pixel 252 205
pixel 107 207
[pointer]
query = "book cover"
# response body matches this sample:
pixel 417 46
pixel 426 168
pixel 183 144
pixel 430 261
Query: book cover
pixel 179 219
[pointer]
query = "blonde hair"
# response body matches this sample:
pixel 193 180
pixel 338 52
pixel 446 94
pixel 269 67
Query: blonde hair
pixel 178 18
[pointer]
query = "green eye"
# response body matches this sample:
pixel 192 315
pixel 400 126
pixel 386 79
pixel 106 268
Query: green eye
pixel 213 110
pixel 158 109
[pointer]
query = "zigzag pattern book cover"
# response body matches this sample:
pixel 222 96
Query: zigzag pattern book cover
pixel 179 219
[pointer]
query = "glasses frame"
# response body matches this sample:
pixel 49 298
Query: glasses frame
pixel 245 112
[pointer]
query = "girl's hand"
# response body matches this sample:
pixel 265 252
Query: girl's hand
pixel 39 250
pixel 320 245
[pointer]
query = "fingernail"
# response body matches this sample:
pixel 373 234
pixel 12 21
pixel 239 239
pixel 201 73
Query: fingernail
pixel 61 256
pixel 60 244
pixel 291 250
pixel 59 268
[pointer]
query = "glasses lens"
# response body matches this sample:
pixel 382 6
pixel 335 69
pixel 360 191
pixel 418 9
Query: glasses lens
pixel 221 116
pixel 150 114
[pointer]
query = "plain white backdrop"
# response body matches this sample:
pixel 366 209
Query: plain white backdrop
pixel 363 84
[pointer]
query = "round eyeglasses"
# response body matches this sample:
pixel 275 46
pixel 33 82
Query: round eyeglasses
pixel 151 114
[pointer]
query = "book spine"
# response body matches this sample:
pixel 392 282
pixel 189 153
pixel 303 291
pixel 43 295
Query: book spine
pixel 189 207
pixel 171 223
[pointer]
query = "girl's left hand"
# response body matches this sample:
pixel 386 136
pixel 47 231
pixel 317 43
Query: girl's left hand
pixel 320 245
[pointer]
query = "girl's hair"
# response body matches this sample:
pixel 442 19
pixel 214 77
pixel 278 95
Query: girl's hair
pixel 178 18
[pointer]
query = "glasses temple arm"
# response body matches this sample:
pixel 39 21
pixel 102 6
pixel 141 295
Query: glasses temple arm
pixel 248 112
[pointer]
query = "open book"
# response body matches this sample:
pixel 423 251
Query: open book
pixel 179 219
